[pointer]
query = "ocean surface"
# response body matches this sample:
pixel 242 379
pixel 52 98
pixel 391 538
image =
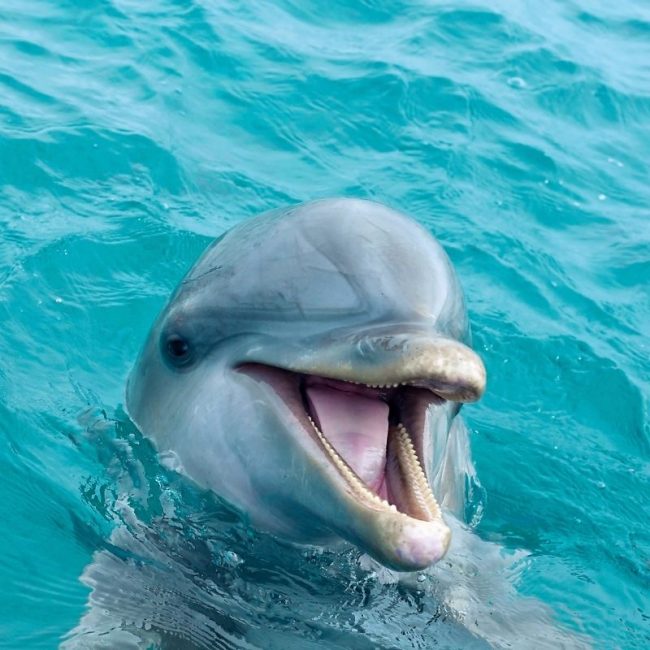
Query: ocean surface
pixel 132 133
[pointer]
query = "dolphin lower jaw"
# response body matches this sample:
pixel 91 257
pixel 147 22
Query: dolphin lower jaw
pixel 407 538
pixel 390 510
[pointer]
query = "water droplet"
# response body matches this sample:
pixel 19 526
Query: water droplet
pixel 516 82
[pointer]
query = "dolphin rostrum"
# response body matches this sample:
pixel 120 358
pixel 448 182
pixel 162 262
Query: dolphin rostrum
pixel 302 370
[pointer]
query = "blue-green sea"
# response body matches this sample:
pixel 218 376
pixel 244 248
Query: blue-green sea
pixel 518 132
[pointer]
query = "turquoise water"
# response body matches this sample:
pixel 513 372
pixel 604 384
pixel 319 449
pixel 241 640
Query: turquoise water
pixel 519 133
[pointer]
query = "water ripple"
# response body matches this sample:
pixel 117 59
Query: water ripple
pixel 131 134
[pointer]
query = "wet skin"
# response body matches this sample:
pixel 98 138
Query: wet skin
pixel 302 370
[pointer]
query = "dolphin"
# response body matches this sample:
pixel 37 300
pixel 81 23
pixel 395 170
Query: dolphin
pixel 309 369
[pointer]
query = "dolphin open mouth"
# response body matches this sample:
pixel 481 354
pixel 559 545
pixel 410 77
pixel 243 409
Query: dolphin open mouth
pixel 374 436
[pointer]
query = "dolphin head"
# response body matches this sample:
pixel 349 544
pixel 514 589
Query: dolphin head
pixel 300 368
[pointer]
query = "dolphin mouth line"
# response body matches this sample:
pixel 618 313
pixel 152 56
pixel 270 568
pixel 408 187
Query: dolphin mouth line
pixel 372 434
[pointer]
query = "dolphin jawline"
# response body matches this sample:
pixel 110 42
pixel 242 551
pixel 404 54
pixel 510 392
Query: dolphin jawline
pixel 383 474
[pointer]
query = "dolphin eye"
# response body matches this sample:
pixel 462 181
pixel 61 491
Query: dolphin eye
pixel 178 350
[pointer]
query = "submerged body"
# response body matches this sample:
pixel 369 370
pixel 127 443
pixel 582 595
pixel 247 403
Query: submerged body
pixel 308 368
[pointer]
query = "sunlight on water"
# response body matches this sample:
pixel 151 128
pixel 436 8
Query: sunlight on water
pixel 131 134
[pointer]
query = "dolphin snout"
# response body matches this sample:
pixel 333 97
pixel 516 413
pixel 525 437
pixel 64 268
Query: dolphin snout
pixel 442 365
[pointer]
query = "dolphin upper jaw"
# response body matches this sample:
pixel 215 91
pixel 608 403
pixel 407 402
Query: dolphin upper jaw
pixel 426 358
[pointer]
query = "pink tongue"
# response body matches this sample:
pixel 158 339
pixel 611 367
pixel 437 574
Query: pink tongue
pixel 357 427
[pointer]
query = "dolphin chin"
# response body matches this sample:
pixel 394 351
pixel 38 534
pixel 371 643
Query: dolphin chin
pixel 300 369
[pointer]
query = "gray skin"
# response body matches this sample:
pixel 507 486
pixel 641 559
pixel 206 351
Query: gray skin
pixel 343 289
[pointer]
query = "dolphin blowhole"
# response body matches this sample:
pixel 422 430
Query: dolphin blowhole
pixel 301 369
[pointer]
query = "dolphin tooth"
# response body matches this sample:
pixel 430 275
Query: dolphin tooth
pixel 410 463
pixel 421 495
